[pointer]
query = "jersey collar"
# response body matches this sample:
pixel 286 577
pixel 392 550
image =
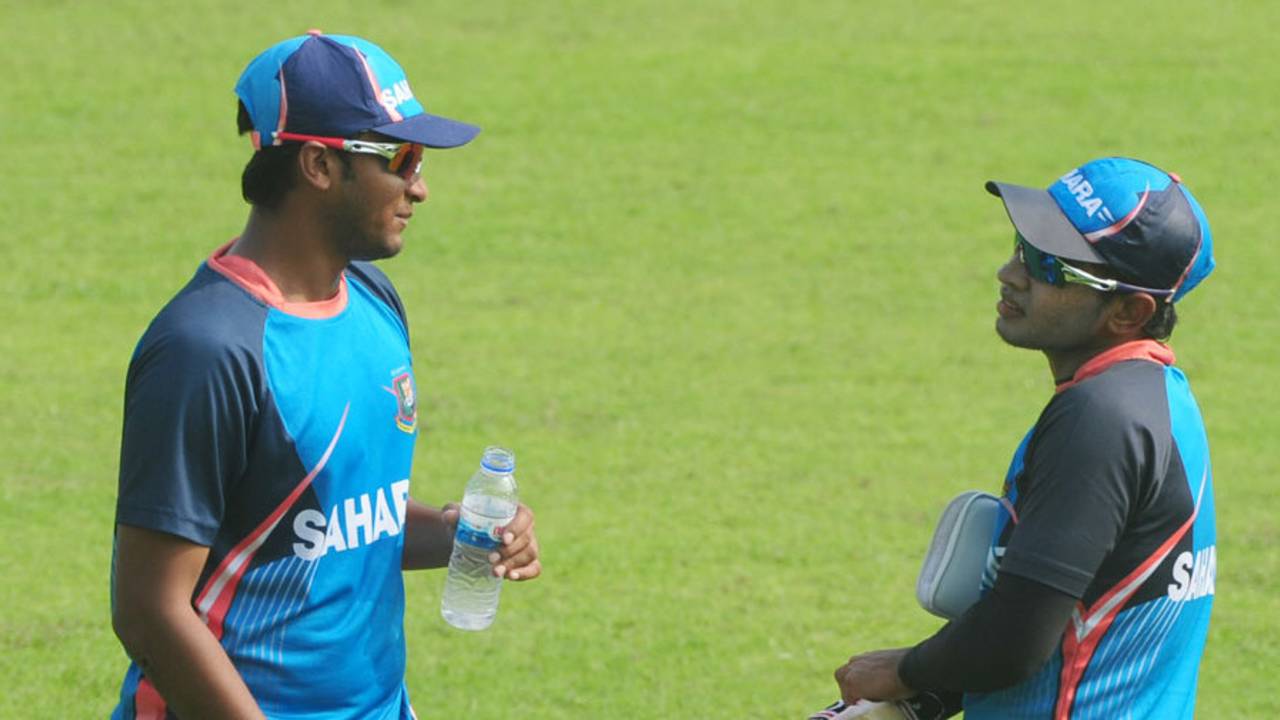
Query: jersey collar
pixel 254 280
pixel 1149 350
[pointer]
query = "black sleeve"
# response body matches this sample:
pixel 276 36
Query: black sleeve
pixel 1077 488
pixel 932 705
pixel 1002 640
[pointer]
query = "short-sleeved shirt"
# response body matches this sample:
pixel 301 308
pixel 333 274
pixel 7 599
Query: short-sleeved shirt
pixel 281 437
pixel 1109 499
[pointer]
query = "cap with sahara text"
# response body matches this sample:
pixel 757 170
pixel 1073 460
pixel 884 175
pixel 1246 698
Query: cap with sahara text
pixel 338 85
pixel 1123 213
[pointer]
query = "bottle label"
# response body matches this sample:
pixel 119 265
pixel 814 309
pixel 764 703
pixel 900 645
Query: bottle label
pixel 477 534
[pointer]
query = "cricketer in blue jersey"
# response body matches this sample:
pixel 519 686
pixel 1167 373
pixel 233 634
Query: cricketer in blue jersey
pixel 1100 576
pixel 271 410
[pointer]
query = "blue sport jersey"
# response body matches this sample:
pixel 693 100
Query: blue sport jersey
pixel 1109 499
pixel 281 437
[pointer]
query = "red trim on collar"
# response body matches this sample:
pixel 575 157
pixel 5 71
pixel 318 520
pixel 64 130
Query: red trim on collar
pixel 1148 350
pixel 254 280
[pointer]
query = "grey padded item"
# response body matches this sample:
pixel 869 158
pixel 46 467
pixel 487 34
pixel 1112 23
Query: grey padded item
pixel 951 578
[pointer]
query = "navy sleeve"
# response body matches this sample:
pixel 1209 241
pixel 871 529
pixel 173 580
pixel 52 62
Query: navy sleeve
pixel 377 281
pixel 190 404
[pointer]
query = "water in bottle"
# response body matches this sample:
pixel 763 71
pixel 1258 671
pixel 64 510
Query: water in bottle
pixel 471 590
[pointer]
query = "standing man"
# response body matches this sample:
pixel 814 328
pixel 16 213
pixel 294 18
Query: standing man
pixel 264 515
pixel 1100 577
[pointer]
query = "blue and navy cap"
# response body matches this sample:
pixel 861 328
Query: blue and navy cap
pixel 338 86
pixel 1123 213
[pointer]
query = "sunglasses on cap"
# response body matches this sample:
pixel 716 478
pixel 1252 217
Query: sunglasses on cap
pixel 403 159
pixel 1052 270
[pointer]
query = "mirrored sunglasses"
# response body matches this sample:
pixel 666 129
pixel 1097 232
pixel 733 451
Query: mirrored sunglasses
pixel 1052 270
pixel 403 159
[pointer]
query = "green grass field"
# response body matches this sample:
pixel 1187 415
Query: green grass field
pixel 721 273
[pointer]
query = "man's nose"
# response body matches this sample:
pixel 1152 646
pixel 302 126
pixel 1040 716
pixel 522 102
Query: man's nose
pixel 1013 272
pixel 418 190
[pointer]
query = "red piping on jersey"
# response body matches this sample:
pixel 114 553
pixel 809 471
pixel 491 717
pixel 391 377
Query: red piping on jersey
pixel 1088 627
pixel 1013 513
pixel 214 599
pixel 147 703
pixel 254 280
pixel 1149 350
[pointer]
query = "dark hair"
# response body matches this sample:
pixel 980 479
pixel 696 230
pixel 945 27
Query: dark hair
pixel 269 175
pixel 1160 326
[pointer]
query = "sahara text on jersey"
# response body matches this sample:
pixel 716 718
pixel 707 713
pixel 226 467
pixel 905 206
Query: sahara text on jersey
pixel 1194 578
pixel 363 519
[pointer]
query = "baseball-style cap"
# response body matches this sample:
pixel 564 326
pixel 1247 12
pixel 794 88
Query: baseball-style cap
pixel 338 85
pixel 1123 213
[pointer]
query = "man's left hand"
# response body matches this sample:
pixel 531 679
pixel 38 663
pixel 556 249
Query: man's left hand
pixel 873 676
pixel 517 557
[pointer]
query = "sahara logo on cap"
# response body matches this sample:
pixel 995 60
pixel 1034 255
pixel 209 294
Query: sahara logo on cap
pixel 338 86
pixel 1082 190
pixel 396 95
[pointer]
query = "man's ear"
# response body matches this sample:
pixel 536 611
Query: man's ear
pixel 1129 312
pixel 316 166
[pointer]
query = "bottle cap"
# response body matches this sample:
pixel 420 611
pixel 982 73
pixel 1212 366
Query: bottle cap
pixel 498 459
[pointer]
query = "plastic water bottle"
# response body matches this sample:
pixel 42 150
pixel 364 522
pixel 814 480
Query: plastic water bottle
pixel 470 599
